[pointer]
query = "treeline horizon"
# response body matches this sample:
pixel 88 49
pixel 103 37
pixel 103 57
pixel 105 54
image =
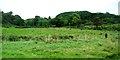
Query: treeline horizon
pixel 66 19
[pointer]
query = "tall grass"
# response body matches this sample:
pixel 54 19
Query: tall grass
pixel 59 43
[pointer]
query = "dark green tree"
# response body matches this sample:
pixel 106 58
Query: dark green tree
pixel 35 20
pixel 97 22
pixel 18 20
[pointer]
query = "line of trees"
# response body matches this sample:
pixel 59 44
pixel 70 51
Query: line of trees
pixel 66 19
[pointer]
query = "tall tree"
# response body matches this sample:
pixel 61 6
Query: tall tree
pixel 18 20
pixel 97 22
pixel 35 20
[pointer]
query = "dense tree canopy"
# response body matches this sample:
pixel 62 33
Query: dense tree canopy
pixel 73 18
pixel 11 20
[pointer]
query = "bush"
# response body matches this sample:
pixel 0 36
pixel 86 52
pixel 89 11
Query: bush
pixel 114 27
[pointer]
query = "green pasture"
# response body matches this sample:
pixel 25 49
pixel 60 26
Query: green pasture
pixel 58 43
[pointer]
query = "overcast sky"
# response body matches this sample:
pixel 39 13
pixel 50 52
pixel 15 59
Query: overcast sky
pixel 45 8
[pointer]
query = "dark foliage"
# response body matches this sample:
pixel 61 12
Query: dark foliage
pixel 77 19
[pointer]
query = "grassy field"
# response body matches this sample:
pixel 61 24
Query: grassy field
pixel 58 43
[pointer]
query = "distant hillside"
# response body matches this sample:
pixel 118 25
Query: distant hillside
pixel 65 19
pixel 86 17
